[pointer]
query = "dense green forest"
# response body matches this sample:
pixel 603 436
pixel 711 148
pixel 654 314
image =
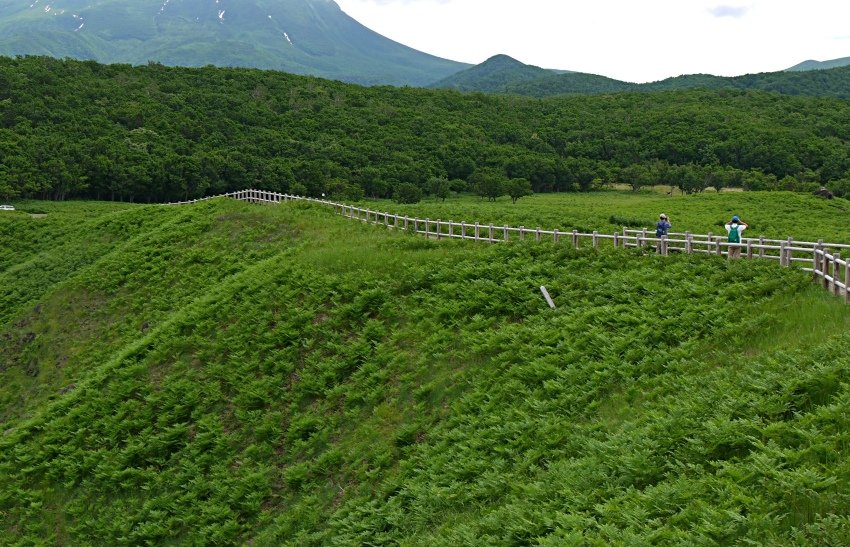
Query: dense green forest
pixel 74 129
pixel 234 374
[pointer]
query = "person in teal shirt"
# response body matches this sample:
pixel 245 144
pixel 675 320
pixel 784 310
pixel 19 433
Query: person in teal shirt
pixel 734 228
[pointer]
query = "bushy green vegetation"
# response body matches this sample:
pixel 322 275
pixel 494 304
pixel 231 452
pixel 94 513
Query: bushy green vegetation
pixel 232 373
pixel 155 134
pixel 776 215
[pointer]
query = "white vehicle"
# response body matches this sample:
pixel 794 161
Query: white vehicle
pixel 6 208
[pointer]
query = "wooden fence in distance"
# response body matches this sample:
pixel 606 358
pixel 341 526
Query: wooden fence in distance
pixel 822 259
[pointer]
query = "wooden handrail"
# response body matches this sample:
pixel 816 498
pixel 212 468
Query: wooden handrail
pixel 826 267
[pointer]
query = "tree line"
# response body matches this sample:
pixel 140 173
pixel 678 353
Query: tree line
pixel 80 129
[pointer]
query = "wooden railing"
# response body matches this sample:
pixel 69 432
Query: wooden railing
pixel 822 259
pixel 828 270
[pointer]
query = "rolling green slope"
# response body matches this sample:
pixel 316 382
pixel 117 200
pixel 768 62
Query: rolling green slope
pixel 231 373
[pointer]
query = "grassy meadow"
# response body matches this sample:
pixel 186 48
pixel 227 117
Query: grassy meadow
pixel 771 214
pixel 228 373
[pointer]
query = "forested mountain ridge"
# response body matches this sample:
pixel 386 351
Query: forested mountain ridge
pixel 517 78
pixel 492 75
pixel 820 65
pixel 155 133
pixel 299 36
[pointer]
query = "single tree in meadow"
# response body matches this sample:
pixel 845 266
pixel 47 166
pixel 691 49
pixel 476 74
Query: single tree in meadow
pixel 439 187
pixel 488 182
pixel 518 187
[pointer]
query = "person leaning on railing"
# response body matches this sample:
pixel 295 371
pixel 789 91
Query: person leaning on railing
pixel 733 230
pixel 662 227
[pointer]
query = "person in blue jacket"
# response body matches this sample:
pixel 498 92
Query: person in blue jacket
pixel 662 226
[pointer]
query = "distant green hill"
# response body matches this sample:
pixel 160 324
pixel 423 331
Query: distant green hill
pixel 312 37
pixel 820 65
pixel 493 75
pixel 516 78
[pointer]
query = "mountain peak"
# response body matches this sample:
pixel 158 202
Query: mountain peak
pixel 501 58
pixel 492 75
pixel 312 37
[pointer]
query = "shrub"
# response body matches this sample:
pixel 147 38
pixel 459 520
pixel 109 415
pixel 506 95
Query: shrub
pixel 407 193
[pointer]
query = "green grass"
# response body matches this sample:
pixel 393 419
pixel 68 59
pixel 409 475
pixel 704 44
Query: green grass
pixel 232 373
pixel 771 214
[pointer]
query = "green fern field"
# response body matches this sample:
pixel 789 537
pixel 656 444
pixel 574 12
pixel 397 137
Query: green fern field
pixel 228 373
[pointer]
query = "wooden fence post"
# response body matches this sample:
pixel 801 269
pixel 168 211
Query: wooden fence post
pixel 439 230
pixel 689 243
pixel 664 245
pixel 825 264
pixel 505 233
pixel 836 269
pixel 789 254
pixel 521 233
pixel 462 229
pixel 847 282
pixel 555 235
pixel 815 263
pixel 537 234
pixel 575 239
pixel 616 240
pixel 477 231
pixel 761 246
pixel 782 251
pixel 595 240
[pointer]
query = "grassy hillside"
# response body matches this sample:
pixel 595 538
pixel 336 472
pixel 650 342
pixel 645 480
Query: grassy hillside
pixel 771 214
pixel 230 373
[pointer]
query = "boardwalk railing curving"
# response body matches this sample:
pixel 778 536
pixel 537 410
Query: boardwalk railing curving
pixel 822 259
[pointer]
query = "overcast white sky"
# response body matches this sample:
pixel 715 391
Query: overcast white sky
pixel 630 40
